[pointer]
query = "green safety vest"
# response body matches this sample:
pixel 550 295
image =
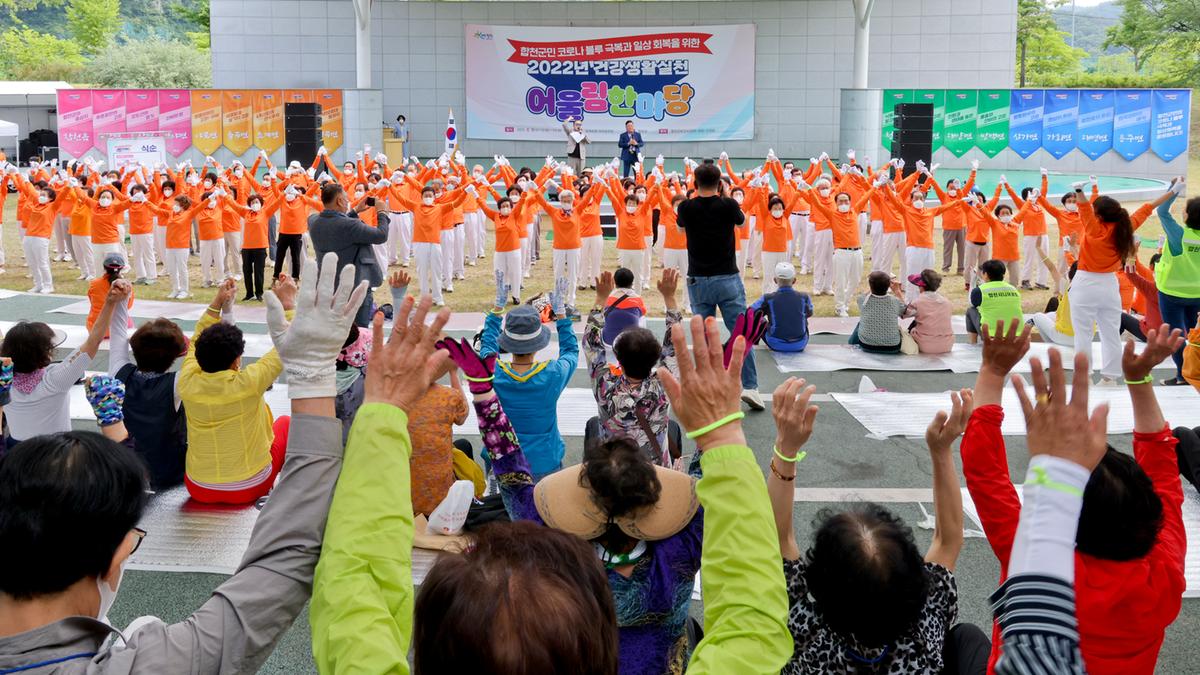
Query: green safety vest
pixel 1179 275
pixel 1001 304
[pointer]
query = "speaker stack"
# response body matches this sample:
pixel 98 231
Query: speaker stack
pixel 302 132
pixel 913 138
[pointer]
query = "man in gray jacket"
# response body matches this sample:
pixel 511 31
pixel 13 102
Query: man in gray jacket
pixel 70 504
pixel 577 142
pixel 339 230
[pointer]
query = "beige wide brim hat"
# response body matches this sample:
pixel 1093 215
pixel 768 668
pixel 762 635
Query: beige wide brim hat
pixel 566 504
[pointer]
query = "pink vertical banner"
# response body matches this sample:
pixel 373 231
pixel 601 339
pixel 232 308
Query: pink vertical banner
pixel 175 119
pixel 108 115
pixel 141 110
pixel 75 121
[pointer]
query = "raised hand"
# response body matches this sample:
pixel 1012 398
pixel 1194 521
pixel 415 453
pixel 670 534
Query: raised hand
pixel 285 289
pixel 405 365
pixel 6 378
pixel 106 394
pixel 793 415
pixel 1058 427
pixel 477 371
pixel 945 428
pixel 668 285
pixel 558 297
pixel 706 391
pixel 1161 343
pixel 1006 350
pixel 751 325
pixel 399 279
pixel 604 286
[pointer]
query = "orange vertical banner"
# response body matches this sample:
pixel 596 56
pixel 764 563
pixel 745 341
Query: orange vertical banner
pixel 268 119
pixel 331 117
pixel 297 95
pixel 237 120
pixel 206 120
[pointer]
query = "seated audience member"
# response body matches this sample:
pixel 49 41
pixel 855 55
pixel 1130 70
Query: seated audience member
pixel 1054 324
pixel 235 450
pixel 363 614
pixel 431 432
pixel 1191 359
pixel 151 407
pixel 1145 302
pixel 1130 546
pixel 788 311
pixel 623 296
pixel 71 502
pixel 866 556
pixel 994 302
pixel 931 312
pixel 877 329
pixel 630 395
pixel 529 388
pixel 40 399
pixel 98 288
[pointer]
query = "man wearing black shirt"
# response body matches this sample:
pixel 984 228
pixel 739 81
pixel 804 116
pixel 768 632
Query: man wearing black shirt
pixel 714 281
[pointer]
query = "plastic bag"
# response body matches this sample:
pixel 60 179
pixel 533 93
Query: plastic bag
pixel 449 516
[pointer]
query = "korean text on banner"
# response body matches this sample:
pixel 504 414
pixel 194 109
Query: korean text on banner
pixel 136 151
pixel 991 129
pixel 1169 132
pixel 1060 121
pixel 1131 124
pixel 75 121
pixel 1025 121
pixel 237 124
pixel 206 120
pixel 268 119
pixel 175 119
pixel 1095 122
pixel 892 98
pixel 688 83
pixel 141 110
pixel 938 98
pixel 961 113
pixel 108 114
pixel 331 117
pixel 298 96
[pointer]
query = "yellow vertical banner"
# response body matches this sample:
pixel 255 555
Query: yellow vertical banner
pixel 268 119
pixel 236 120
pixel 330 101
pixel 297 95
pixel 206 120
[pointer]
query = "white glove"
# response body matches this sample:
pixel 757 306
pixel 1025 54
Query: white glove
pixel 850 154
pixel 367 148
pixel 549 160
pixel 414 159
pixel 974 165
pixel 899 164
pixel 1078 186
pixel 1095 183
pixel 687 161
pixel 1003 179
pixel 813 161
pixel 460 158
pixel 881 181
pixel 1178 186
pixel 496 160
pixel 935 166
pixel 311 173
pixel 658 161
pixel 324 177
pixel 383 183
pixel 641 158
pixel 567 171
pixel 724 156
pixel 381 158
pixel 553 185
pixel 273 172
pixel 430 164
pixel 74 182
pixel 801 183
pixel 470 189
pixel 1035 193
pixel 309 345
pixel 262 153
pixel 824 156
pixel 1045 172
pixel 358 155
pixel 208 159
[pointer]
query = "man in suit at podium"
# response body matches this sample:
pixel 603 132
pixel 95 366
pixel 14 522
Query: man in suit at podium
pixel 577 142
pixel 631 144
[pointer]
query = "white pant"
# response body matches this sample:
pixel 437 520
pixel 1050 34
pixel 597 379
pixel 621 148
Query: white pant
pixel 863 221
pixel 429 268
pixel 447 249
pixel 458 239
pixel 404 244
pixel 754 255
pixel 389 222
pixel 145 265
pixel 1033 270
pixel 177 267
pixel 975 254
pixel 799 229
pixel 160 242
pixel 916 260
pixel 647 260
pixel 891 245
pixel 37 254
pixel 590 259
pixel 740 258
pixel 632 261
pixel 509 262
pixel 101 250
pixel 472 245
pixel 84 258
pixel 233 253
pixel 212 260
pixel 847 271
pixel 660 245
pixel 62 236
pixel 809 245
pixel 769 260
pixel 1096 300
pixel 566 266
pixel 1045 325
pixel 527 246
pixel 677 259
pixel 876 237
pixel 822 259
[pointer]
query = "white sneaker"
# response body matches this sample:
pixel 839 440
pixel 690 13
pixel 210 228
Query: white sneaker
pixel 843 314
pixel 81 277
pixel 1106 382
pixel 35 289
pixel 47 290
pixel 751 398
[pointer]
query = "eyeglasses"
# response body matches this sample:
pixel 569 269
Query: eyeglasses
pixel 141 535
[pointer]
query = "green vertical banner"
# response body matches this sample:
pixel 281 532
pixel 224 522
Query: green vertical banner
pixel 890 98
pixel 961 107
pixel 938 98
pixel 991 127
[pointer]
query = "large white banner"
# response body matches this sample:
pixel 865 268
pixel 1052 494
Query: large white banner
pixel 692 83
pixel 135 150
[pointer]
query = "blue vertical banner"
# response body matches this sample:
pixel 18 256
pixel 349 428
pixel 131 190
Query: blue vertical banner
pixel 1025 121
pixel 1169 109
pixel 1095 122
pixel 1060 121
pixel 1131 122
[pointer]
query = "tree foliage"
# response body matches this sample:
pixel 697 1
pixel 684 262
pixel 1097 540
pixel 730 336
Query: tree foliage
pixel 1041 48
pixel 1179 22
pixel 26 54
pixel 94 23
pixel 151 64
pixel 197 14
pixel 1138 31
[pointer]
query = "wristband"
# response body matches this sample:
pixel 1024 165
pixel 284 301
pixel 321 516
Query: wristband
pixel 791 460
pixel 1040 478
pixel 775 472
pixel 468 378
pixel 715 425
pixel 1145 380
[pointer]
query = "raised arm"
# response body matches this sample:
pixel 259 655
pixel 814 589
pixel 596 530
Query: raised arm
pixel 947 497
pixel 794 419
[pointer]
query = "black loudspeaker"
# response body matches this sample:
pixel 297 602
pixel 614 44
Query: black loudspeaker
pixel 913 138
pixel 302 122
pixel 313 109
pixel 302 132
pixel 301 151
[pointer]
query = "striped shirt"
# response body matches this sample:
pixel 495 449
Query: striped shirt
pixel 1037 621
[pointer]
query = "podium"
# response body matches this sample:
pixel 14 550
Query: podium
pixel 394 148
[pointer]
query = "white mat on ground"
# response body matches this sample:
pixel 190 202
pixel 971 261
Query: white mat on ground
pixel 257 344
pixel 886 414
pixel 575 407
pixel 832 325
pixel 153 309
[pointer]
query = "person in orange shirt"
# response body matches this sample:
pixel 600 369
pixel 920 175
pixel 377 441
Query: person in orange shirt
pixel 772 215
pixel 1070 223
pixel 99 287
pixel 255 213
pixel 1006 235
pixel 162 194
pixel 108 208
pixel 566 221
pixel 844 237
pixel 741 242
pixel 675 255
pixel 62 223
pixel 178 213
pixel 979 233
pixel 631 240
pixel 4 181
pixel 821 255
pixel 231 229
pixel 1033 225
pixel 211 223
pixel 428 221
pixel 918 230
pixel 509 223
pixel 39 224
pixel 294 208
pixel 141 232
pixel 887 218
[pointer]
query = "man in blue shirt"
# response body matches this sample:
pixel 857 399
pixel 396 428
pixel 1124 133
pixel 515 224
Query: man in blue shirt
pixel 630 143
pixel 788 310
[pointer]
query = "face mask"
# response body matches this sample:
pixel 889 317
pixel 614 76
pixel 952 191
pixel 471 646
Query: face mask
pixel 952 192
pixel 738 198
pixel 237 172
pixel 505 211
pixel 427 201
pixel 137 198
pixel 919 203
pixel 192 180
pixel 515 198
pixel 43 199
pixel 108 594
pixel 358 194
pixel 824 192
pixel 641 196
pixel 168 192
pixel 255 207
pixel 478 174
pixel 776 213
pixel 106 201
pixel 177 208
pixel 1071 207
pixel 347 171
pixel 631 210
pixel 843 208
pixel 1006 219
pixel 207 184
pixel 290 197
pixel 522 184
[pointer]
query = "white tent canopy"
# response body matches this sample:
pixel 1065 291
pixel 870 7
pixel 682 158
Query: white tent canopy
pixel 9 129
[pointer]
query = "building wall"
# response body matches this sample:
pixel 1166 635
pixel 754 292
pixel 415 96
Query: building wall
pixel 803 56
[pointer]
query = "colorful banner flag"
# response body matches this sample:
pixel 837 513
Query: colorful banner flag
pixel 268 119
pixel 206 120
pixel 1060 121
pixel 331 117
pixel 891 98
pixel 141 110
pixel 1131 123
pixel 961 113
pixel 1025 121
pixel 991 123
pixel 938 98
pixel 237 122
pixel 108 115
pixel 75 121
pixel 298 96
pixel 1095 122
pixel 1170 110
pixel 175 119
pixel 451 135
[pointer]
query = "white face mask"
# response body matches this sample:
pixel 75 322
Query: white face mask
pixel 952 192
pixel 824 192
pixel 427 201
pixel 167 192
pixel 631 210
pixel 843 208
pixel 515 198
pixel 1006 219
pixel 522 184
pixel 776 213
pixel 177 208
pixel 237 172
pixel 106 201
pixel 108 594
pixel 738 198
pixel 919 203
pixel 505 211
pixel 347 171
pixel 641 196
pixel 193 180
pixel 137 198
pixel 1071 207
pixel 207 184
pixel 291 197
pixel 358 194
pixel 478 174
pixel 255 207
pixel 43 199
